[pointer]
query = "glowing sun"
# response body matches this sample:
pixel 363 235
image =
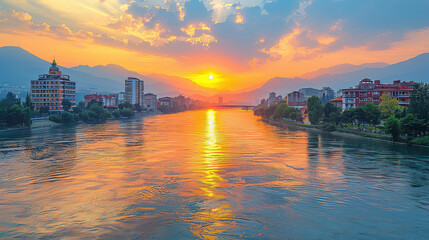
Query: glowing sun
pixel 211 77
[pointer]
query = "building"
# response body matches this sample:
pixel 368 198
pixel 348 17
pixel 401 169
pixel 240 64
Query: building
pixel 273 99
pixel 325 94
pixel 134 91
pixel 49 90
pixel 296 99
pixel 107 100
pixel 304 115
pixel 150 101
pixel 338 102
pixel 165 101
pixel 371 91
pixel 120 98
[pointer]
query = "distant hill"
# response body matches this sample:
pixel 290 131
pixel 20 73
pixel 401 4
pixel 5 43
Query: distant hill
pixel 341 69
pixel 163 85
pixel 414 69
pixel 18 67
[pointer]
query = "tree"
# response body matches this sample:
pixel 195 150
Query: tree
pixel 388 106
pixel 280 111
pixel 67 117
pixel 124 105
pixel 116 113
pixel 412 126
pixel 347 116
pixel 66 105
pixel 334 117
pixel 329 109
pixel 359 114
pixel 28 102
pixel 419 101
pixel 315 110
pixel 97 113
pixel 93 101
pixel 79 107
pixel 372 113
pixel 127 112
pixel 11 98
pixel 391 125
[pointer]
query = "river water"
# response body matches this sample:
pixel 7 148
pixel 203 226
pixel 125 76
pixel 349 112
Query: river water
pixel 211 174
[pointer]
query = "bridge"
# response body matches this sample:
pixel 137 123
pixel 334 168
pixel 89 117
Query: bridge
pixel 246 107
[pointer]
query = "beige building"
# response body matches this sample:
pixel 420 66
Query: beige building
pixel 49 90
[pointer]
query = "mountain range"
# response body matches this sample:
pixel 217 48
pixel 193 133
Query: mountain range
pixel 18 67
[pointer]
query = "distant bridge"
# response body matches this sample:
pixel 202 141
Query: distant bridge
pixel 247 107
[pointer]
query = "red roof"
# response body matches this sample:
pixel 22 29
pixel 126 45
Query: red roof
pixel 338 99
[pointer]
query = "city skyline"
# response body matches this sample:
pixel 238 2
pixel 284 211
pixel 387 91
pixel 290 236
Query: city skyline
pixel 239 44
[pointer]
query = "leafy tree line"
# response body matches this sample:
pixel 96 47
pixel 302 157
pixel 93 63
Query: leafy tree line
pixel 92 113
pixel 14 113
pixel 411 123
pixel 278 112
pixel 404 124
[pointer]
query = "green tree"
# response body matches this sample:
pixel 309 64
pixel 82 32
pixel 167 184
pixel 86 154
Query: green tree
pixel 116 114
pixel 66 105
pixel 413 126
pixel 80 107
pixel 329 109
pixel 28 102
pixel 372 113
pixel 93 101
pixel 419 101
pixel 334 117
pixel 295 116
pixel 359 115
pixel 67 117
pixel 315 110
pixel 388 106
pixel 11 98
pixel 97 113
pixel 17 116
pixel 280 111
pixel 127 112
pixel 392 126
pixel 347 116
pixel 124 105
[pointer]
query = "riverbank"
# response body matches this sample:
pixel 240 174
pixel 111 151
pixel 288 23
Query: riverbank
pixel 338 131
pixel 44 123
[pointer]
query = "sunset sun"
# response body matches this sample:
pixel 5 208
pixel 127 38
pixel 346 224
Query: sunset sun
pixel 211 77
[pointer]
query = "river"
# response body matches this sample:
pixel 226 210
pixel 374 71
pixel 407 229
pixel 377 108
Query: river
pixel 210 174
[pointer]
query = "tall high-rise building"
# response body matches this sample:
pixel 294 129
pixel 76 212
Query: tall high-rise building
pixel 134 91
pixel 49 90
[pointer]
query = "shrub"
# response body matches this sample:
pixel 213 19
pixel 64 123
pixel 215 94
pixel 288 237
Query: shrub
pixel 67 117
pixel 55 118
pixel 421 141
pixel 329 127
pixel 116 114
pixel 127 113
pixel 392 126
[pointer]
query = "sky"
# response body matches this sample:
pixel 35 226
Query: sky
pixel 242 43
